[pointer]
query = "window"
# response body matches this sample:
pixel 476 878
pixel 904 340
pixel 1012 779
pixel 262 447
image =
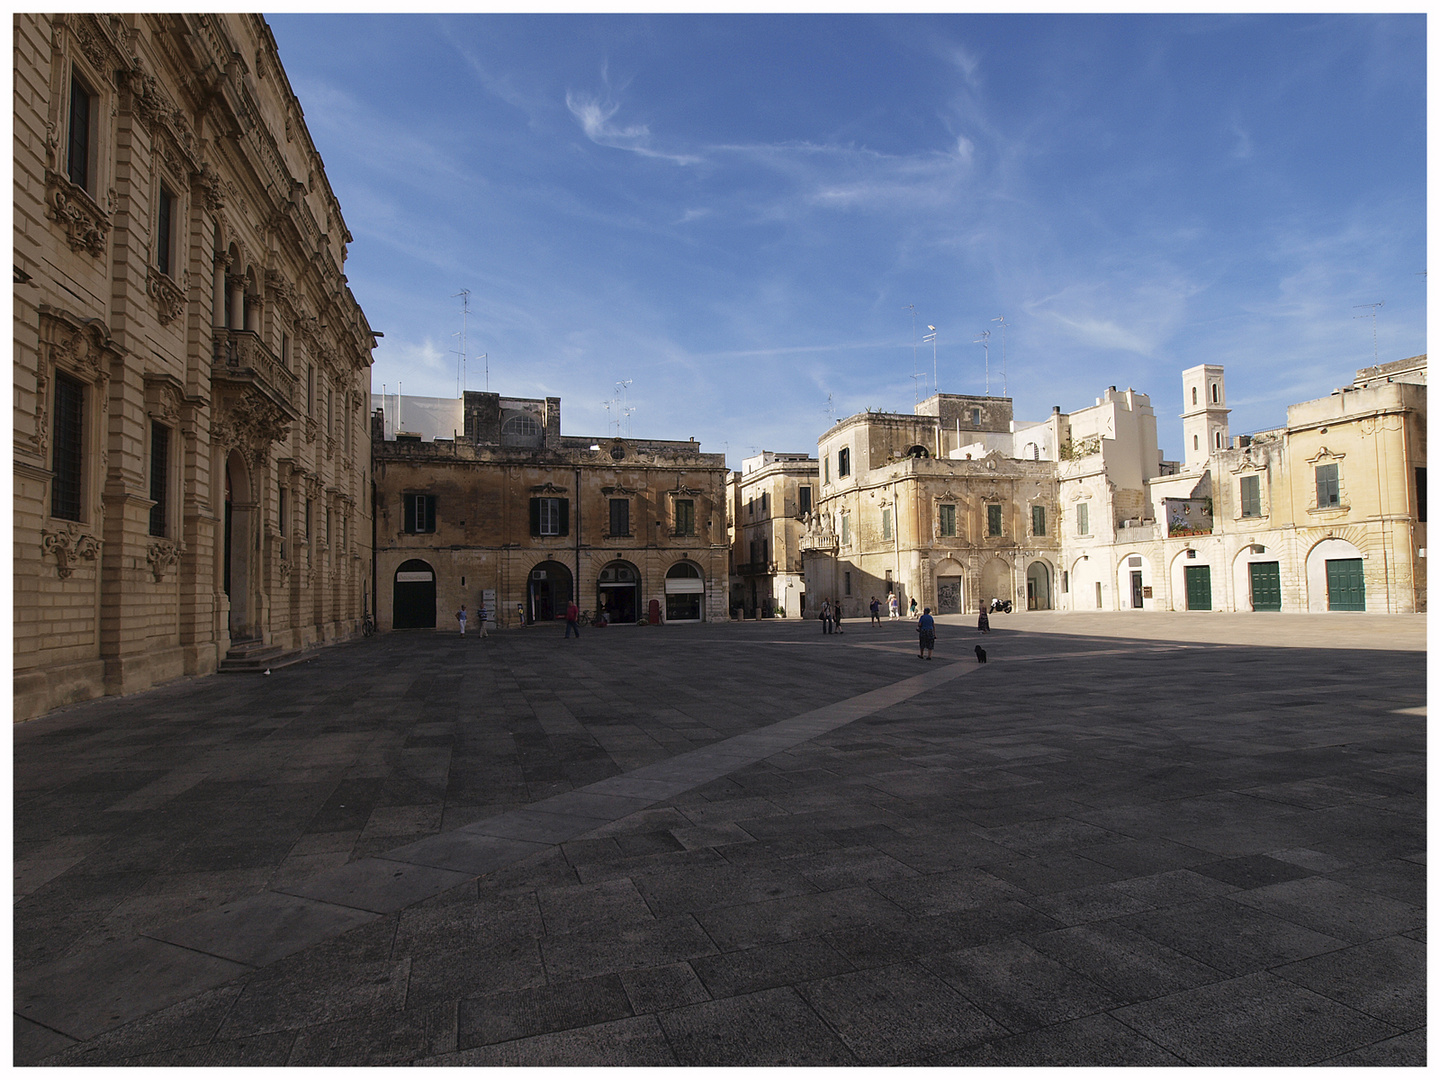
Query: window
pixel 77 155
pixel 163 227
pixel 1327 485
pixel 805 500
pixel 159 476
pixel 329 413
pixel 844 461
pixel 1194 396
pixel 549 517
pixel 619 517
pixel 285 350
pixel 684 517
pixel 330 526
pixel 827 468
pixel 1082 519
pixel 1065 581
pixel 947 519
pixel 886 531
pixel 845 528
pixel 309 512
pixel 419 513
pixel 1250 496
pixel 309 369
pixel 521 429
pixel 1197 442
pixel 1037 520
pixel 283 509
pixel 1099 601
pixel 1219 440
pixel 847 582
pixel 1215 393
pixel 994 519
pixel 764 503
pixel 974 417
pixel 67 454
pixel 1420 493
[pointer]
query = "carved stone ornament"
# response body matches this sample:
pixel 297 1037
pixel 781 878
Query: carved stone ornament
pixel 312 429
pixel 67 545
pixel 94 41
pixel 548 488
pixel 163 399
pixel 147 101
pixel 208 181
pixel 82 346
pixel 251 424
pixel 283 566
pixel 162 554
pixel 169 297
pixel 86 225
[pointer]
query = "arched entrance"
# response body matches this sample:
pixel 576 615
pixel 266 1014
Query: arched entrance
pixel 617 593
pixel 238 546
pixel 995 582
pixel 414 607
pixel 550 589
pixel 949 588
pixel 1335 576
pixel 1037 587
pixel 684 591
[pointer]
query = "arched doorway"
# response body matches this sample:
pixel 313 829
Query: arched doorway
pixel 549 590
pixel 617 593
pixel 1037 587
pixel 995 583
pixel 684 593
pixel 1335 576
pixel 238 545
pixel 949 588
pixel 414 607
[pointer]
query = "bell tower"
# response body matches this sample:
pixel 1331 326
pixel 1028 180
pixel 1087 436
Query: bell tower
pixel 1207 420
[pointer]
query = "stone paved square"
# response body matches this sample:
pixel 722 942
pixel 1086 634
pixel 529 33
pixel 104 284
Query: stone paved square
pixel 1127 839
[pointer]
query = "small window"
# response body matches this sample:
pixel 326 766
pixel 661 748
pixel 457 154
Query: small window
pixel 1327 485
pixel 283 509
pixel 1420 493
pixel 827 468
pixel 619 517
pixel 804 500
pixel 77 155
pixel 764 503
pixel 1082 519
pixel 847 582
pixel 1197 442
pixel 163 230
pixel 886 529
pixel 1250 496
pixel 309 515
pixel 549 517
pixel 1215 393
pixel 1037 520
pixel 684 517
pixel 994 519
pixel 845 461
pixel 947 519
pixel 1194 395
pixel 159 477
pixel 1064 581
pixel 68 449
pixel 419 513
pixel 309 368
pixel 974 417
pixel 1219 440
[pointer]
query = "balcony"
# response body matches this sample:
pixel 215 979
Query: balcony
pixel 242 358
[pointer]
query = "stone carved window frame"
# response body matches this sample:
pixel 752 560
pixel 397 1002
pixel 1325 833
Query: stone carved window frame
pixel 165 404
pixel 83 350
pixel 168 291
pixel 84 52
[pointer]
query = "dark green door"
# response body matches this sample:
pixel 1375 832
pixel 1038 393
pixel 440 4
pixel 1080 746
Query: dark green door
pixel 1197 588
pixel 1345 584
pixel 1265 586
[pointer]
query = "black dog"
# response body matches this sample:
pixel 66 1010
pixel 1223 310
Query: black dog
pixel 979 654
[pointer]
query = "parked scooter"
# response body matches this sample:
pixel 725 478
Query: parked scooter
pixel 996 605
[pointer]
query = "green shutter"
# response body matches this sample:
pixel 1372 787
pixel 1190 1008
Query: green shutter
pixel 564 517
pixel 534 517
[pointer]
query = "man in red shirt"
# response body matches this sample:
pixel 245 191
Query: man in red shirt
pixel 572 619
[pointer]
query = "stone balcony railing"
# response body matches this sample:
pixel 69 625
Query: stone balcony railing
pixel 240 356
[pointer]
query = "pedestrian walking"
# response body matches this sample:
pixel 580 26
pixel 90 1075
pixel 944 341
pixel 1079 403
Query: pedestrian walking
pixel 484 617
pixel 826 617
pixel 894 607
pixel 839 614
pixel 461 616
pixel 914 607
pixel 572 619
pixel 874 612
pixel 984 621
pixel 520 613
pixel 926 628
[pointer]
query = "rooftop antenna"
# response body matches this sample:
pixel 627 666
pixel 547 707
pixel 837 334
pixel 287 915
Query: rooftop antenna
pixel 935 364
pixel 461 375
pixel 622 407
pixel 984 339
pixel 1004 378
pixel 486 357
pixel 1374 334
pixel 830 408
pixel 914 354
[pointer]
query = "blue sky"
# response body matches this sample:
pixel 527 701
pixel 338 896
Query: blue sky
pixel 734 212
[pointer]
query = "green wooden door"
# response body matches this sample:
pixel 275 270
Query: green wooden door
pixel 1197 588
pixel 1265 586
pixel 1345 584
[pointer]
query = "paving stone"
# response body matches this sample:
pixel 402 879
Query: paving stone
pixel 1018 986
pixel 1258 1019
pixel 702 888
pixel 377 885
pixel 661 988
pixel 627 947
pixel 1098 1041
pixel 518 1014
pixel 1384 979
pixel 1407 1050
pixel 747 925
pixel 262 928
pixel 731 974
pixel 634 1041
pixel 780 1029
pixel 1130 966
pixel 1231 937
pixel 1332 907
pixel 897 1014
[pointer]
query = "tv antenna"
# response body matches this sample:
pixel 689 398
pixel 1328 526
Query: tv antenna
pixel 1374 334
pixel 935 363
pixel 914 353
pixel 461 375
pixel 984 339
pixel 830 408
pixel 1004 378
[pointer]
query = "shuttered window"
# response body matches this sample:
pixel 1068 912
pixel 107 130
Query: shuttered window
pixel 947 519
pixel 549 517
pixel 419 513
pixel 1250 496
pixel 1327 485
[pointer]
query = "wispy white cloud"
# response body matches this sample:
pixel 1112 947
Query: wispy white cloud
pixel 595 116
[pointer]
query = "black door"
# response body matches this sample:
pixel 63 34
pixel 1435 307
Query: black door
pixel 414 596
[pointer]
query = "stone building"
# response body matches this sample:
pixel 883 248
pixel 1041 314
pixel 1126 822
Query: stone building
pixel 509 513
pixel 933 505
pixel 772 495
pixel 1324 514
pixel 191 371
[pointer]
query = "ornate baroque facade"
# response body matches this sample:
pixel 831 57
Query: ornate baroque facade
pixel 511 513
pixel 191 371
